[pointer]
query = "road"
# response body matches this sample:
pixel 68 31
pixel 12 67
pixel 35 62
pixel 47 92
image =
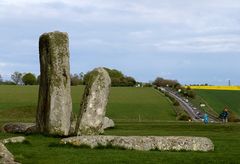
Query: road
pixel 188 107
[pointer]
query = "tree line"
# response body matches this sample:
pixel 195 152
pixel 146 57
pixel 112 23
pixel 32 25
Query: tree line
pixel 175 85
pixel 18 78
pixel 117 77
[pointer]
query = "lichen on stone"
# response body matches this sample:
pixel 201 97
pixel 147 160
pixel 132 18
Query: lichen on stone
pixel 93 105
pixel 54 103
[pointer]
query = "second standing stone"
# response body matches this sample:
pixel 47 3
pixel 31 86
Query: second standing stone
pixel 93 106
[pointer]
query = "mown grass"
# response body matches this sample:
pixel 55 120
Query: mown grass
pixel 18 103
pixel 12 96
pixel 220 99
pixel 124 103
pixel 225 138
pixel 142 104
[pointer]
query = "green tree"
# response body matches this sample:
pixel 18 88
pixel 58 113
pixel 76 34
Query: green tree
pixel 77 79
pixel 29 79
pixel 130 81
pixel 117 78
pixel 113 73
pixel 161 82
pixel 17 78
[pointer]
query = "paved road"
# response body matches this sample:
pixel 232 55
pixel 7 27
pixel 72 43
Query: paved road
pixel 189 108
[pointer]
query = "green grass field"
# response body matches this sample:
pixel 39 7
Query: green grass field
pixel 42 149
pixel 131 104
pixel 220 99
pixel 126 104
pixel 136 111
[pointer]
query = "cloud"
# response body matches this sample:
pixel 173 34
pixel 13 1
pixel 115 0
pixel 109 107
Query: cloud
pixel 185 16
pixel 208 44
pixel 7 68
pixel 2 64
pixel 127 35
pixel 141 34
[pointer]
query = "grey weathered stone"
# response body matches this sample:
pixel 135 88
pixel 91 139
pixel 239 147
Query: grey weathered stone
pixel 31 129
pixel 72 127
pixel 54 101
pixel 144 143
pixel 93 106
pixel 6 156
pixel 18 139
pixel 17 127
pixel 108 123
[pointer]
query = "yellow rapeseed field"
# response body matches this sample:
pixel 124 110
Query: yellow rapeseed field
pixel 231 88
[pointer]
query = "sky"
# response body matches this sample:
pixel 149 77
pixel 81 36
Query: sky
pixel 191 41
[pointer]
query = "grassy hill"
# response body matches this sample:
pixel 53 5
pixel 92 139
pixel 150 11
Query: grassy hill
pixel 129 104
pixel 18 103
pixel 145 104
pixel 218 99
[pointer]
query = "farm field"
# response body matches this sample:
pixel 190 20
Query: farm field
pixel 218 99
pixel 224 88
pixel 131 104
pixel 126 105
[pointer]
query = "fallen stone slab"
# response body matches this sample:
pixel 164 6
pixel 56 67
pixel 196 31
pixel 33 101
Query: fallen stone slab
pixel 144 143
pixel 18 139
pixel 6 156
pixel 18 127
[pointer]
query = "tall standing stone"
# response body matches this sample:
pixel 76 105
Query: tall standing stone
pixel 54 101
pixel 93 106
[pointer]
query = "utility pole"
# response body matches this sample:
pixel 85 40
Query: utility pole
pixel 229 82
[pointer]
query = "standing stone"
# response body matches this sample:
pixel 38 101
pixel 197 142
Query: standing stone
pixel 93 106
pixel 54 101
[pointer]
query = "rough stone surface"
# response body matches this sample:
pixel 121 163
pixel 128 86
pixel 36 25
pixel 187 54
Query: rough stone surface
pixel 108 123
pixel 144 143
pixel 54 101
pixel 72 127
pixel 32 129
pixel 6 157
pixel 18 139
pixel 94 102
pixel 17 127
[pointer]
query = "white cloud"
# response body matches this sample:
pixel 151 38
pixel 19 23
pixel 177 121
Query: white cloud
pixel 92 42
pixel 11 64
pixel 201 44
pixel 130 28
pixel 194 16
pixel 141 34
pixel 2 64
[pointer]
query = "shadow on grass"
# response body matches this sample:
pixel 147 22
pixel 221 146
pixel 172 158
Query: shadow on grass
pixel 84 146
